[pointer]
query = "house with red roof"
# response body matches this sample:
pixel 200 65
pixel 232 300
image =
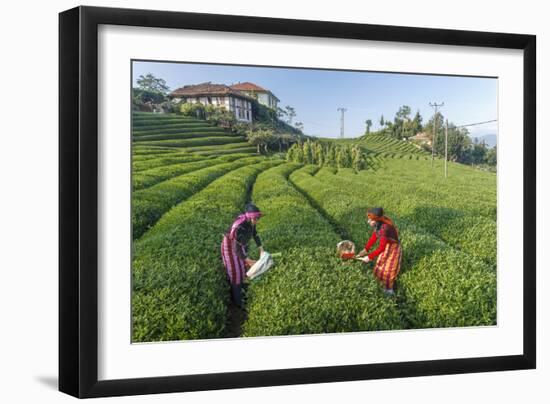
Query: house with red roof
pixel 208 93
pixel 236 98
pixel 263 96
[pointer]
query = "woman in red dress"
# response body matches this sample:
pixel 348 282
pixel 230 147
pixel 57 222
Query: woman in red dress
pixel 388 252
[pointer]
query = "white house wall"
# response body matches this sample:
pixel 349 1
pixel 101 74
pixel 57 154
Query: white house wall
pixel 267 99
pixel 242 109
pixel 263 99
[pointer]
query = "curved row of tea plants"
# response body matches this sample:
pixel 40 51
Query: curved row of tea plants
pixel 460 210
pixel 148 205
pixel 146 178
pixel 143 118
pixel 155 161
pixel 218 148
pixel 222 152
pixel 309 290
pixel 192 127
pixel 151 150
pixel 204 141
pixel 439 286
pixel 382 143
pixel 179 287
pixel 182 135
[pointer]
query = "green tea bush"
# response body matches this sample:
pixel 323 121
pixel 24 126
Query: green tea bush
pixel 214 140
pixel 163 160
pixel 148 205
pixel 139 151
pixel 153 120
pixel 170 127
pixel 309 290
pixel 179 287
pixel 431 269
pixel 213 153
pixel 382 143
pixel 147 178
pixel 180 135
pixel 224 147
pixel 460 210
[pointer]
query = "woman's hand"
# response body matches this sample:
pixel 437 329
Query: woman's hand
pixel 366 259
pixel 362 253
pixel 249 262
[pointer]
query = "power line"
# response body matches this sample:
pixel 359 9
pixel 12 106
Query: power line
pixel 477 123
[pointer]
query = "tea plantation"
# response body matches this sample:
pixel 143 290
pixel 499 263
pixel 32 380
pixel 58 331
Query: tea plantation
pixel 191 179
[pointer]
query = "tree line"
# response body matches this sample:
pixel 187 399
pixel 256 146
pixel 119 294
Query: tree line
pixel 461 147
pixel 331 154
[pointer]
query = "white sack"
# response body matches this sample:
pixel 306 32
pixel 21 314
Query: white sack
pixel 263 264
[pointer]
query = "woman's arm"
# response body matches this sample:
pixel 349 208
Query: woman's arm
pixel 371 241
pixel 256 238
pixel 381 247
pixel 368 245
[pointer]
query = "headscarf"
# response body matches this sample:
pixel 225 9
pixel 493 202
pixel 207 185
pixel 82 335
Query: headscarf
pixel 252 212
pixel 377 214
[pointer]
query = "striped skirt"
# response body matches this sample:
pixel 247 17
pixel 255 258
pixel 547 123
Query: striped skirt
pixel 234 265
pixel 388 265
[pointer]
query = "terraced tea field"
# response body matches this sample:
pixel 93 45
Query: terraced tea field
pixel 190 180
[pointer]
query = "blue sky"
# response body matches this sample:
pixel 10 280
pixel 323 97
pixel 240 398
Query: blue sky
pixel 316 94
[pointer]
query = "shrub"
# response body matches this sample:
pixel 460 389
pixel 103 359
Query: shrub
pixel 309 290
pixel 179 287
pixel 431 269
pixel 148 205
pixel 196 141
pixel 196 110
pixel 147 178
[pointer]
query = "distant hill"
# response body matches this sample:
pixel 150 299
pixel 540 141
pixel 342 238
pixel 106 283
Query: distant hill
pixel 490 140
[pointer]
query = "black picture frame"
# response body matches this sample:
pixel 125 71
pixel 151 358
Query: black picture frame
pixel 78 201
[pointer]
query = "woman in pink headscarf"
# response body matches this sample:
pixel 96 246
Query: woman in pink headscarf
pixel 234 249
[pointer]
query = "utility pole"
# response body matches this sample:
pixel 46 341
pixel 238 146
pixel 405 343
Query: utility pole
pixel 446 135
pixel 342 111
pixel 435 106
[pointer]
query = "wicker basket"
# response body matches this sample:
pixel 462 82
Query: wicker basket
pixel 345 249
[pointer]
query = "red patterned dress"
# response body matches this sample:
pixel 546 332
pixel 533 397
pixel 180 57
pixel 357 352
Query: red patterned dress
pixel 388 252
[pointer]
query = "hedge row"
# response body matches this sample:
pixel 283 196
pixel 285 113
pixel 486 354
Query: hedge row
pixel 224 147
pixel 162 160
pixel 439 286
pixel 182 135
pixel 151 151
pixel 146 178
pixel 248 150
pixel 309 290
pixel 175 128
pixel 148 205
pixel 179 287
pixel 213 140
pixel 383 143
pixel 169 120
pixel 460 210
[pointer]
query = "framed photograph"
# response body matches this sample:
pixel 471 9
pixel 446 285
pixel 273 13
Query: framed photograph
pixel 251 202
